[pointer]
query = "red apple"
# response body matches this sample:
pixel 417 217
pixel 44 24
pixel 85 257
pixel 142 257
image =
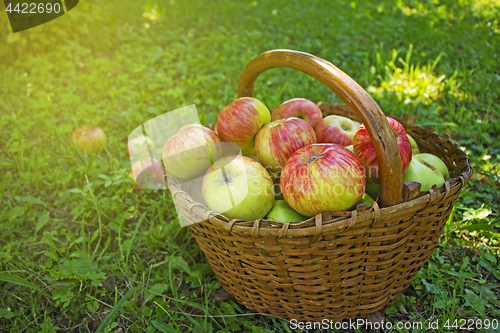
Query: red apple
pixel 336 129
pixel 147 173
pixel 300 108
pixel 90 139
pixel 240 121
pixel 365 150
pixel 279 139
pixel 189 153
pixel 322 177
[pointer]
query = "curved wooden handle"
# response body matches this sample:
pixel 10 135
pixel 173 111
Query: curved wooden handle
pixel 390 167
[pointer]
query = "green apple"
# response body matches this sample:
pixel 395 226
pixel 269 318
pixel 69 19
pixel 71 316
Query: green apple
pixel 372 189
pixel 368 200
pixel 424 173
pixel 351 148
pixel 282 212
pixel 435 162
pixel 238 187
pixel 413 143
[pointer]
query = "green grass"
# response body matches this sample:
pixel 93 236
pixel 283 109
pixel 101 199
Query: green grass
pixel 80 250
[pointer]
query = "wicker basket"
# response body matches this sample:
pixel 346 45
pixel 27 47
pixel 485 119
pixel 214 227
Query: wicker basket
pixel 337 265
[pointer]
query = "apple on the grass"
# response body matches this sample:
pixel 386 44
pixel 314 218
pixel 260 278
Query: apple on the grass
pixel 300 108
pixel 424 173
pixel 189 153
pixel 322 177
pixel 282 212
pixel 279 139
pixel 365 149
pixel 336 129
pixel 147 173
pixel 435 162
pixel 238 187
pixel 90 139
pixel 240 121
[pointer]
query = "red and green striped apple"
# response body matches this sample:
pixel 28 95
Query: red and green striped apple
pixel 240 121
pixel 322 177
pixel 336 129
pixel 365 149
pixel 279 139
pixel 300 108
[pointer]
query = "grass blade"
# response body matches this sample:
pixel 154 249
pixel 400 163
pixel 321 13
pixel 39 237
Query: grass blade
pixel 17 280
pixel 112 314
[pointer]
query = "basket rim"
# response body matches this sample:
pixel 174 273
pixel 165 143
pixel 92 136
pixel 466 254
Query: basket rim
pixel 339 221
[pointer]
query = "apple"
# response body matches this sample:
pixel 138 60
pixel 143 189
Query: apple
pixel 238 187
pixel 435 162
pixel 90 139
pixel 189 153
pixel 365 150
pixel 424 173
pixel 336 129
pixel 372 189
pixel 138 147
pixel 322 177
pixel 351 148
pixel 147 173
pixel 414 146
pixel 300 108
pixel 282 212
pixel 187 127
pixel 279 139
pixel 240 121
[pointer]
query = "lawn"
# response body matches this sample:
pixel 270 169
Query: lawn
pixel 82 251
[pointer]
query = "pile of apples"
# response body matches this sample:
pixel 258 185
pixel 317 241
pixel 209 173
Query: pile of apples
pixel 315 164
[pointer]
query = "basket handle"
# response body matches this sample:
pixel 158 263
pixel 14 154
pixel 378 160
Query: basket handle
pixel 390 167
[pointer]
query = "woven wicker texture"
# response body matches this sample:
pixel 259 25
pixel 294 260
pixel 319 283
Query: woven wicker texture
pixel 337 265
